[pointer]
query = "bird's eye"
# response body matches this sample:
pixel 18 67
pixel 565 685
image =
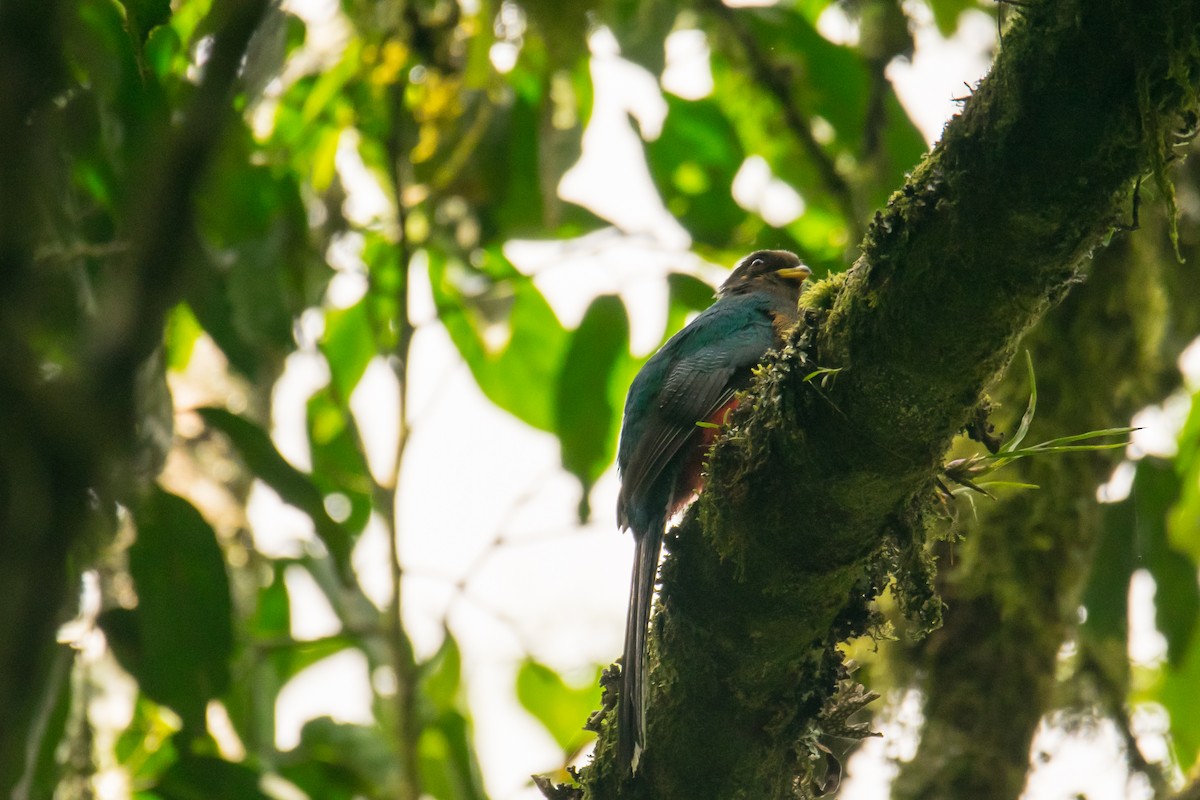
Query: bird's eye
pixel 758 262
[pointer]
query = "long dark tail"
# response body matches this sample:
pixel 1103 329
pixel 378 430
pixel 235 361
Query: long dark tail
pixel 631 712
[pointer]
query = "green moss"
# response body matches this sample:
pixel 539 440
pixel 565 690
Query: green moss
pixel 821 294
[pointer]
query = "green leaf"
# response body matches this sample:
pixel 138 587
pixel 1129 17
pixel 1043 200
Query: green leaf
pixel 44 743
pixel 273 615
pixel 449 768
pixel 1080 437
pixel 441 676
pixel 517 363
pixel 146 747
pixel 339 465
pixel 561 709
pixel 308 127
pixel 296 657
pixel 292 485
pixel 328 781
pixel 586 417
pixel 1045 447
pixel 693 163
pixel 1185 527
pixel 161 50
pixel 826 374
pixel 348 345
pixel 259 269
pixel 102 52
pixel 183 616
pixel 145 15
pixel 195 777
pixel 277 657
pixel 1007 485
pixel 821 237
pixel 641 27
pixel 340 760
pixel 1030 409
pixel 1106 596
pixel 271 625
pixel 563 28
pixel 211 303
pixel 1177 694
pixel 385 296
pixel 946 14
pixel 122 630
pixel 183 329
pixel 810 9
pixel 1177 599
pixel 688 295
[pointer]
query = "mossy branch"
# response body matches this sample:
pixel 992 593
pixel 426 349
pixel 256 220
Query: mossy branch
pixel 819 495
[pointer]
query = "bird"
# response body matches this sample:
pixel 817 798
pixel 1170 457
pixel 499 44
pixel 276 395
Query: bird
pixel 674 408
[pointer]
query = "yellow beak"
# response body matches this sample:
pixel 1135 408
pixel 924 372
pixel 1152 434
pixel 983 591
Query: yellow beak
pixel 797 274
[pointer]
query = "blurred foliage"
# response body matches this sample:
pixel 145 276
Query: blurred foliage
pixel 145 218
pixel 559 707
pixel 1155 529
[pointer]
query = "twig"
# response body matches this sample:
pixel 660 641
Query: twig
pixel 400 654
pixel 76 250
pixel 506 621
pixel 408 724
pixel 1191 791
pixel 501 533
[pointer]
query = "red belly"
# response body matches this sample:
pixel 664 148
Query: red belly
pixel 691 476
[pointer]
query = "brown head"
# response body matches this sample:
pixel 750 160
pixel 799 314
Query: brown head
pixel 776 271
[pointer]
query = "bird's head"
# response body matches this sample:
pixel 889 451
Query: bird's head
pixel 775 271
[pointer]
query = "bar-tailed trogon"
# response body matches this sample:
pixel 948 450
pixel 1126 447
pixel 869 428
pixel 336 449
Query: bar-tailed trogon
pixel 685 389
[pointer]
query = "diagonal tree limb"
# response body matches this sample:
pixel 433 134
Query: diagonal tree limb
pixel 817 493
